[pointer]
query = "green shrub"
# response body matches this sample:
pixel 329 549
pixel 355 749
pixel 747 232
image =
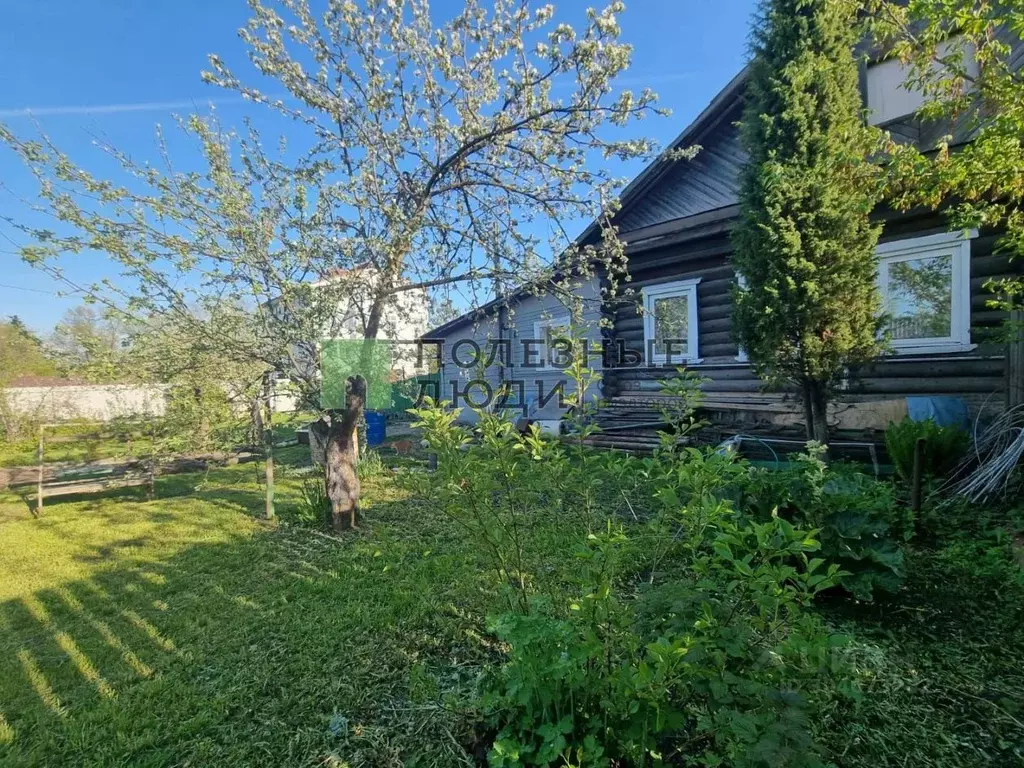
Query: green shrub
pixel 494 488
pixel 862 527
pixel 943 446
pixel 684 397
pixel 718 662
pixel 725 674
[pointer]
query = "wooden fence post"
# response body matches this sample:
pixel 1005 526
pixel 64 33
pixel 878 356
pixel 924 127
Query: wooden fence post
pixel 152 461
pixel 1015 360
pixel 39 481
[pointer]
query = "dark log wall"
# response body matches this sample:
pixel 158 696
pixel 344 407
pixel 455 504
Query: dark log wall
pixel 706 257
pixel 678 228
pixel 977 375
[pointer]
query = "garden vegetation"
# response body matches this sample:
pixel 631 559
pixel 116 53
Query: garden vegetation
pixel 531 602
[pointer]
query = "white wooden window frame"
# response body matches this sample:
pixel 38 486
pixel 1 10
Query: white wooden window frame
pixel 956 244
pixel 564 321
pixel 741 354
pixel 651 294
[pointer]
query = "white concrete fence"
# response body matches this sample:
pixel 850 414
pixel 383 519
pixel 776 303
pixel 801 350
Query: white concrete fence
pixel 103 402
pixel 93 402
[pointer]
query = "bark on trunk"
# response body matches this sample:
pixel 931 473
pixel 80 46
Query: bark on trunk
pixel 815 402
pixel 819 404
pixel 805 386
pixel 341 452
pixel 204 419
pixel 268 473
pixel 341 457
pixel 263 418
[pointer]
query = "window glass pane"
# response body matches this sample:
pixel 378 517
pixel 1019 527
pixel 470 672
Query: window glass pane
pixel 671 323
pixel 921 298
pixel 554 355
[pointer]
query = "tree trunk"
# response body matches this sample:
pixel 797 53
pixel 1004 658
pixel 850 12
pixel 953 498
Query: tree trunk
pixel 806 386
pixel 815 402
pixel 341 474
pixel 819 404
pixel 341 450
pixel 204 420
pixel 263 414
pixel 268 471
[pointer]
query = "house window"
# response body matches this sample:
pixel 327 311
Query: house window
pixel 925 284
pixel 670 322
pixel 553 334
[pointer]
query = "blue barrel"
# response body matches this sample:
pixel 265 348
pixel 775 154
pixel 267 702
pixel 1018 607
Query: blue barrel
pixel 376 428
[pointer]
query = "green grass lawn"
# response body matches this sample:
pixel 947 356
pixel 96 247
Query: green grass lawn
pixel 186 632
pixel 183 631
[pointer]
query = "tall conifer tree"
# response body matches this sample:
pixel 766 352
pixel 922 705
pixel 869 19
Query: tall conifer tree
pixel 805 244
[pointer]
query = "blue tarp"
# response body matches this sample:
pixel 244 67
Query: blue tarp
pixel 944 411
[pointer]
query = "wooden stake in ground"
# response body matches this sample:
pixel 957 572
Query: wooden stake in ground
pixel 342 456
pixel 152 461
pixel 266 409
pixel 39 483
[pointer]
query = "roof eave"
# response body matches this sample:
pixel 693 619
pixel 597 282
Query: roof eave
pixel 658 167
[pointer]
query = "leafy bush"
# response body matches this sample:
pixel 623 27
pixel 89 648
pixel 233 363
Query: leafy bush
pixel 723 673
pixel 718 662
pixel 15 425
pixel 683 398
pixel 568 693
pixel 198 419
pixel 493 487
pixel 943 446
pixel 862 527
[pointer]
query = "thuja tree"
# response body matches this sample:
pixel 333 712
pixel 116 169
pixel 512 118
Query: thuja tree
pixel 424 157
pixel 959 54
pixel 808 306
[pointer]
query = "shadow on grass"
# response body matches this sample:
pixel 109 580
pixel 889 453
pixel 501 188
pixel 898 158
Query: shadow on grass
pixel 275 647
pixel 237 486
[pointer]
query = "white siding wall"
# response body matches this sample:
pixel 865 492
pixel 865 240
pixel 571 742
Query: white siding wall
pixel 524 313
pixel 405 318
pixel 889 98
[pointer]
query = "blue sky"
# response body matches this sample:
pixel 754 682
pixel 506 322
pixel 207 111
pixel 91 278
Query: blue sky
pixel 114 69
